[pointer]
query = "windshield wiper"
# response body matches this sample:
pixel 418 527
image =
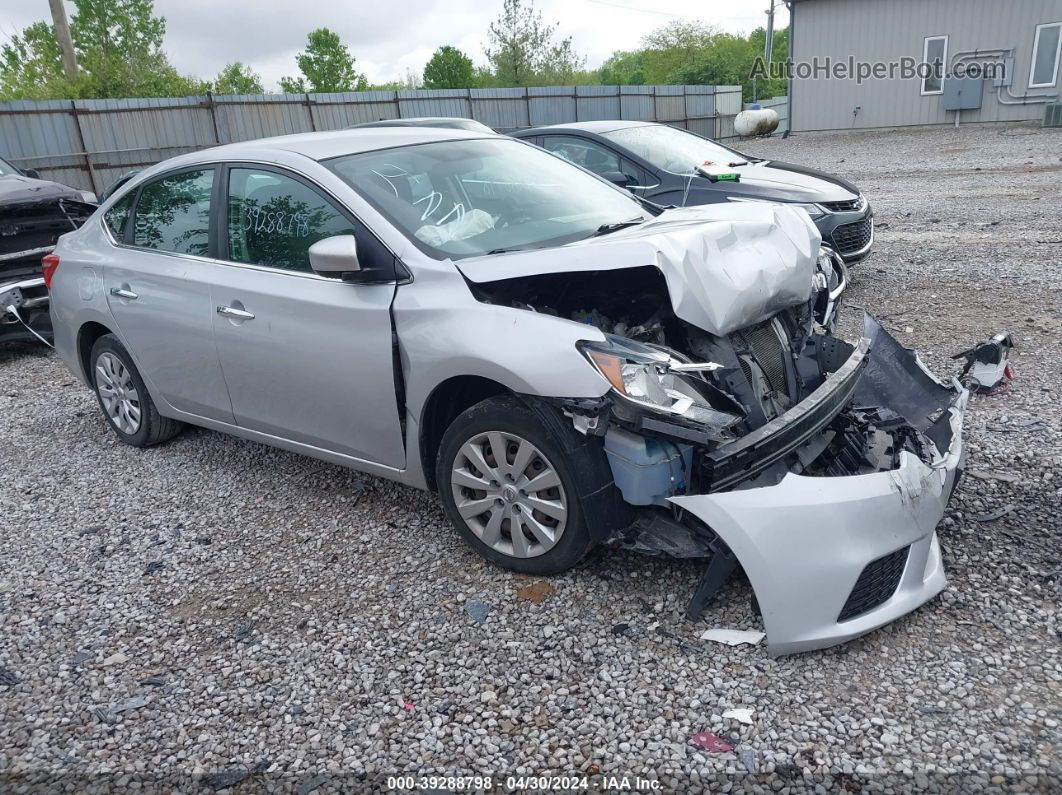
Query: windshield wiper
pixel 503 250
pixel 604 229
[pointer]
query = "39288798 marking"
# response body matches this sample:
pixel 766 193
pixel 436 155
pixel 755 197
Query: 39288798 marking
pixel 435 783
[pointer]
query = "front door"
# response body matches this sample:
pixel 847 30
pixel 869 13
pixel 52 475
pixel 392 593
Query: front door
pixel 157 288
pixel 305 358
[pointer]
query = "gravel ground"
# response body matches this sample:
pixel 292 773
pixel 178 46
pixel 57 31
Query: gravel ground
pixel 215 606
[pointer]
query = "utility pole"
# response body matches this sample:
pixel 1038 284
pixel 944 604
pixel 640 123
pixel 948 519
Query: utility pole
pixel 62 35
pixel 768 45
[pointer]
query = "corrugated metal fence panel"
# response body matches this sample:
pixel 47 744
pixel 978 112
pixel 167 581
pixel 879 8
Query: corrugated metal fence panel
pixel 550 105
pixel 261 115
pixel 123 134
pixel 636 103
pixel 339 110
pixel 593 103
pixel 503 108
pixel 670 103
pixel 440 102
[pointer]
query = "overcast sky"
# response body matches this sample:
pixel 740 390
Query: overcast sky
pixel 389 36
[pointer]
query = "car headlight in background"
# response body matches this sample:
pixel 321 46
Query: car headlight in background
pixel 811 209
pixel 654 379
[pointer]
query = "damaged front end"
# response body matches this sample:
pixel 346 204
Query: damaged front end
pixel 29 230
pixel 820 467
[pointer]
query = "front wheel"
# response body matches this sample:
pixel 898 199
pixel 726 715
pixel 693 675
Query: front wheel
pixel 124 398
pixel 509 488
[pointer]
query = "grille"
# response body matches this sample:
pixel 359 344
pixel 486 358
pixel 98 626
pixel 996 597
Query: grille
pixel 876 584
pixel 852 205
pixel 767 351
pixel 849 238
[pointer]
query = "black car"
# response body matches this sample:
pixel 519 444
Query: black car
pixel 671 166
pixel 33 214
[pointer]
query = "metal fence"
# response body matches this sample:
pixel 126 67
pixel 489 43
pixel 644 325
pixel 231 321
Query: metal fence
pixel 89 143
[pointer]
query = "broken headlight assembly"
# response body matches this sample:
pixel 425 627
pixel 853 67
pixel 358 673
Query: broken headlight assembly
pixel 656 379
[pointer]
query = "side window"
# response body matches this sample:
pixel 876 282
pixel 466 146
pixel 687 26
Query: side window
pixel 173 213
pixel 118 215
pixel 582 152
pixel 274 219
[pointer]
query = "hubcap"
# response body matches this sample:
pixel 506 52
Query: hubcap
pixel 118 394
pixel 509 494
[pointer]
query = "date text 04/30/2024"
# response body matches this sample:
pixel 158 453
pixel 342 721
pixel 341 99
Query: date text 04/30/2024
pixel 607 783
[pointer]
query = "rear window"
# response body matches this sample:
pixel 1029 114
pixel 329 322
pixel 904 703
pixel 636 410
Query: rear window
pixel 173 213
pixel 117 216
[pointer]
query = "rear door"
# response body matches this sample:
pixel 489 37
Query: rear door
pixel 157 287
pixel 306 358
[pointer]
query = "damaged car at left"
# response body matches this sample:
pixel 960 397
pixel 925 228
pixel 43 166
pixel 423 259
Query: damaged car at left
pixel 566 365
pixel 33 214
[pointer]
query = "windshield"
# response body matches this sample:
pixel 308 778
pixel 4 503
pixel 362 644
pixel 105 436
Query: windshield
pixel 673 149
pixel 464 198
pixel 6 168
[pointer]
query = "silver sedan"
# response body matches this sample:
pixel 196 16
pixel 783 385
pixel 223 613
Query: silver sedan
pixel 565 364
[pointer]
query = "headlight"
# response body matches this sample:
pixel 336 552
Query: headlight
pixel 654 379
pixel 811 209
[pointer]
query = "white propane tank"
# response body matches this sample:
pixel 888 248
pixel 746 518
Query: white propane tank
pixel 755 121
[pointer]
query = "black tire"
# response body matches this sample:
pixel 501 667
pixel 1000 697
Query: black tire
pixel 579 465
pixel 152 427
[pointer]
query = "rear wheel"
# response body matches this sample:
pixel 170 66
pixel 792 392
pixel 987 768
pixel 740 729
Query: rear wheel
pixel 124 398
pixel 509 489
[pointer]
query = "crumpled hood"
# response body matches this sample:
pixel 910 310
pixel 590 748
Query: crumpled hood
pixel 727 266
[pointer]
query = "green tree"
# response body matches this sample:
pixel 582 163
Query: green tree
pixel 238 78
pixel 524 51
pixel 448 68
pixel 623 68
pixel 31 66
pixel 326 65
pixel 119 52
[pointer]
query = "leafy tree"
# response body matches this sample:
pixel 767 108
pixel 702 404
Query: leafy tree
pixel 238 78
pixel 623 68
pixel 523 50
pixel 326 65
pixel 119 52
pixel 448 68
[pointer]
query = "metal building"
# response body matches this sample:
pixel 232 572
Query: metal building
pixel 1017 42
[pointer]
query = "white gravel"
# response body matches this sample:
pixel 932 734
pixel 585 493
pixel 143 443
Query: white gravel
pixel 214 605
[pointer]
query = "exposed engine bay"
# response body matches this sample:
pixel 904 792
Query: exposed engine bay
pixel 692 415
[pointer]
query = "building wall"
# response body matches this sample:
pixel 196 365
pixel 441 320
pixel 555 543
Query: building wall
pixel 886 30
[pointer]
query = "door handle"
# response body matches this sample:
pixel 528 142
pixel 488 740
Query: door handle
pixel 121 292
pixel 239 314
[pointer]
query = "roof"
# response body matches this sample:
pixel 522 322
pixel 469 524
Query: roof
pixel 604 126
pixel 323 145
pixel 450 122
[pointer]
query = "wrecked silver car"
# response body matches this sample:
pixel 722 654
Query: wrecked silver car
pixel 567 366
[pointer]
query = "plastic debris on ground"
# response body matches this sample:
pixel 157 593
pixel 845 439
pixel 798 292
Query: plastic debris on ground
pixel 7 677
pixel 986 363
pixel 536 592
pixel 740 714
pixel 734 637
pixel 109 714
pixel 992 516
pixel 477 610
pixel 712 743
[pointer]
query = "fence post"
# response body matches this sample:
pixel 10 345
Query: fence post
pixel 213 117
pixel 309 110
pixel 84 149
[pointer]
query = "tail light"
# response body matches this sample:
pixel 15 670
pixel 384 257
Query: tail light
pixel 49 264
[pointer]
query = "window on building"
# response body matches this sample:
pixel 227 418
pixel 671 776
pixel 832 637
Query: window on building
pixel 935 57
pixel 1046 46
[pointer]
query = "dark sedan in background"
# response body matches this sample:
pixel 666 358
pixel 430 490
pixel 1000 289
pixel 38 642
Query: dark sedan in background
pixel 667 165
pixel 33 213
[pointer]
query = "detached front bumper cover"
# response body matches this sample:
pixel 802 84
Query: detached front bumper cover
pixel 831 558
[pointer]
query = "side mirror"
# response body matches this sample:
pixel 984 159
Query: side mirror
pixel 32 173
pixel 335 257
pixel 617 178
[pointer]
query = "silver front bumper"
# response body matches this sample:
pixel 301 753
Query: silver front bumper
pixel 14 294
pixel 805 541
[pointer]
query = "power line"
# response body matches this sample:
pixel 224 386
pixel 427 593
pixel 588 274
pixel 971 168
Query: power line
pixel 633 8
